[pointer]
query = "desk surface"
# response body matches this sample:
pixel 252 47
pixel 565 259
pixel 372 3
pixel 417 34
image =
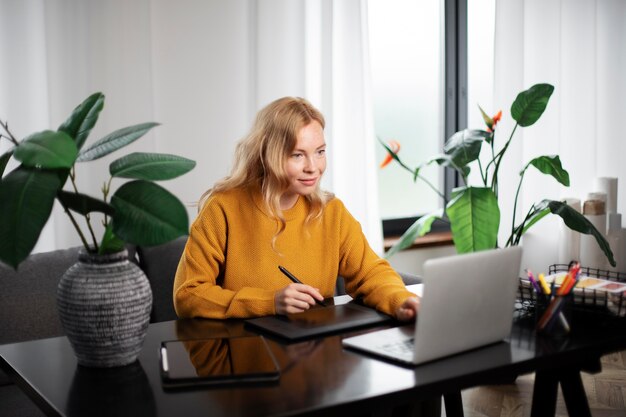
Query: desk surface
pixel 318 376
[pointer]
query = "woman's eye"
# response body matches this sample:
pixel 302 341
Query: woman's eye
pixel 321 152
pixel 296 155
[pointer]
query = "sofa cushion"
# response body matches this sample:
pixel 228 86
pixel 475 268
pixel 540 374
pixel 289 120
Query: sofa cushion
pixel 160 264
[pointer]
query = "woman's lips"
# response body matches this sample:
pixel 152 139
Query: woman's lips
pixel 309 181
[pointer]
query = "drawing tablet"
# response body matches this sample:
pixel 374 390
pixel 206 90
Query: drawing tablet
pixel 319 320
pixel 217 361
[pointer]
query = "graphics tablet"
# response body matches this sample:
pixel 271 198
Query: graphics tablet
pixel 319 320
pixel 217 361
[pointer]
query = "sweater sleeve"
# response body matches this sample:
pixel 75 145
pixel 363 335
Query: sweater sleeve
pixel 368 276
pixel 198 286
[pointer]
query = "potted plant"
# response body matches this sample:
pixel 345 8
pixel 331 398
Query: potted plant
pixel 473 211
pixel 104 300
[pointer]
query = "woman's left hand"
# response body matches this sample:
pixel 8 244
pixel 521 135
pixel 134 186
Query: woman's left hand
pixel 408 310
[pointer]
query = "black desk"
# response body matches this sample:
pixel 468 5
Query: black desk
pixel 319 377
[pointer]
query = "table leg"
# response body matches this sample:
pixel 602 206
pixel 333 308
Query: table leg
pixel 454 404
pixel 574 394
pixel 544 394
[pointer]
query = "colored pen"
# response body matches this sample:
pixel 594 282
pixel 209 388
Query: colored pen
pixel 533 281
pixel 297 281
pixel 544 285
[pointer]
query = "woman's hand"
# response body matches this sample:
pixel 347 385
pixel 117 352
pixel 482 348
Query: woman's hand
pixel 296 298
pixel 408 310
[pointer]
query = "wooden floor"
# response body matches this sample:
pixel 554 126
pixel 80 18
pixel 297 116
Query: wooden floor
pixel 606 394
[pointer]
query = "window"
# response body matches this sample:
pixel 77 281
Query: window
pixel 419 64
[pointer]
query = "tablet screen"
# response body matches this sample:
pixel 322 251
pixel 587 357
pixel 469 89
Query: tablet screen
pixel 218 360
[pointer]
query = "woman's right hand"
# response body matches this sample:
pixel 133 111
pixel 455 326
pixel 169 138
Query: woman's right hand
pixel 296 298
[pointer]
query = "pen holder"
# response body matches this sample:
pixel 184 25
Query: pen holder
pixel 554 315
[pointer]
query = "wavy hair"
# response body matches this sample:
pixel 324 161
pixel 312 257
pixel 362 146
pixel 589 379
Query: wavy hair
pixel 261 156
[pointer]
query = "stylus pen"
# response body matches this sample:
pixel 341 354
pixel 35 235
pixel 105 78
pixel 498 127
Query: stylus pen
pixel 297 281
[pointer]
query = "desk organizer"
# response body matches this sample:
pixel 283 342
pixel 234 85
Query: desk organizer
pixel 598 291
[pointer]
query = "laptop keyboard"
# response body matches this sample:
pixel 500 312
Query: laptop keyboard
pixel 402 347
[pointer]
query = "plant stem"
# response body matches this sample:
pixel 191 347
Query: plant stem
pixel 482 176
pixel 87 216
pixel 5 126
pixel 105 192
pixel 412 171
pixel 519 186
pixel 80 233
pixel 494 181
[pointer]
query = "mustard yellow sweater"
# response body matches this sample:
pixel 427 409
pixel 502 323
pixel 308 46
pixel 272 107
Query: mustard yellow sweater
pixel 229 268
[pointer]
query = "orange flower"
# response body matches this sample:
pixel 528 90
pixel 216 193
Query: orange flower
pixel 495 119
pixel 395 148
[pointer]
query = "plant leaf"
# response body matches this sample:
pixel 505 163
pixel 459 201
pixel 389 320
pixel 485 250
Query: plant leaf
pixel 114 141
pixel 26 199
pixel 150 166
pixel 417 229
pixel 83 119
pixel 474 218
pixel 464 146
pixel 4 160
pixel 551 165
pixel 530 104
pixel 578 222
pixel 147 214
pixel 84 204
pixel 47 149
pixel 110 243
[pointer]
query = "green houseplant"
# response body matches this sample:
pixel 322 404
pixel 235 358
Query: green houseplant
pixel 139 212
pixel 104 301
pixel 473 210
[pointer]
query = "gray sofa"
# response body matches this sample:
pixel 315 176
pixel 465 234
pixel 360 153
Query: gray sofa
pixel 28 302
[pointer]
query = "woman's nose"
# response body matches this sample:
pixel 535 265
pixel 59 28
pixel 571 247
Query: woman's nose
pixel 310 164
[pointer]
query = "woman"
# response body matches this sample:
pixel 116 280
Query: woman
pixel 271 211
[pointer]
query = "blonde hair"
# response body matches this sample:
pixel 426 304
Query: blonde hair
pixel 261 156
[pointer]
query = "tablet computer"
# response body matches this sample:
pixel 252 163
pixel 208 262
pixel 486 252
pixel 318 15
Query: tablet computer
pixel 319 320
pixel 217 361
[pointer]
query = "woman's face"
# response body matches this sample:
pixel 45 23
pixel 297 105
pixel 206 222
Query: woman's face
pixel 305 165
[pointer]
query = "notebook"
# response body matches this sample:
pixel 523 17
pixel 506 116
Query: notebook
pixel 319 320
pixel 468 302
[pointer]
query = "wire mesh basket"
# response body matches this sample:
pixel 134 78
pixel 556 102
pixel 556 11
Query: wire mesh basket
pixel 606 296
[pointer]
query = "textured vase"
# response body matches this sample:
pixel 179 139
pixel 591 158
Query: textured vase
pixel 104 302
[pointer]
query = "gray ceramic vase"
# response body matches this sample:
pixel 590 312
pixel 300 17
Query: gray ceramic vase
pixel 104 302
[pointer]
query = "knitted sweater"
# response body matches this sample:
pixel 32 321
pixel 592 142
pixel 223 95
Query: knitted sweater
pixel 229 268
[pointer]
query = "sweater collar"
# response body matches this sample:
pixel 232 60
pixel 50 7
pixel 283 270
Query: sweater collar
pixel 299 210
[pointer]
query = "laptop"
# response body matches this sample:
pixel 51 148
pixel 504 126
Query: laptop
pixel 468 302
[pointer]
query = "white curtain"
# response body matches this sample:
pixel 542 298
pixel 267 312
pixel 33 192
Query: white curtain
pixel 200 68
pixel 579 46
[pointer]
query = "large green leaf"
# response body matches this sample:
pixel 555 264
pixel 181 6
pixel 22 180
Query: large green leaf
pixel 4 160
pixel 417 229
pixel 47 149
pixel 551 165
pixel 84 204
pixel 464 146
pixel 83 119
pixel 474 218
pixel 114 141
pixel 150 166
pixel 26 199
pixel 576 221
pixel 530 104
pixel 147 214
